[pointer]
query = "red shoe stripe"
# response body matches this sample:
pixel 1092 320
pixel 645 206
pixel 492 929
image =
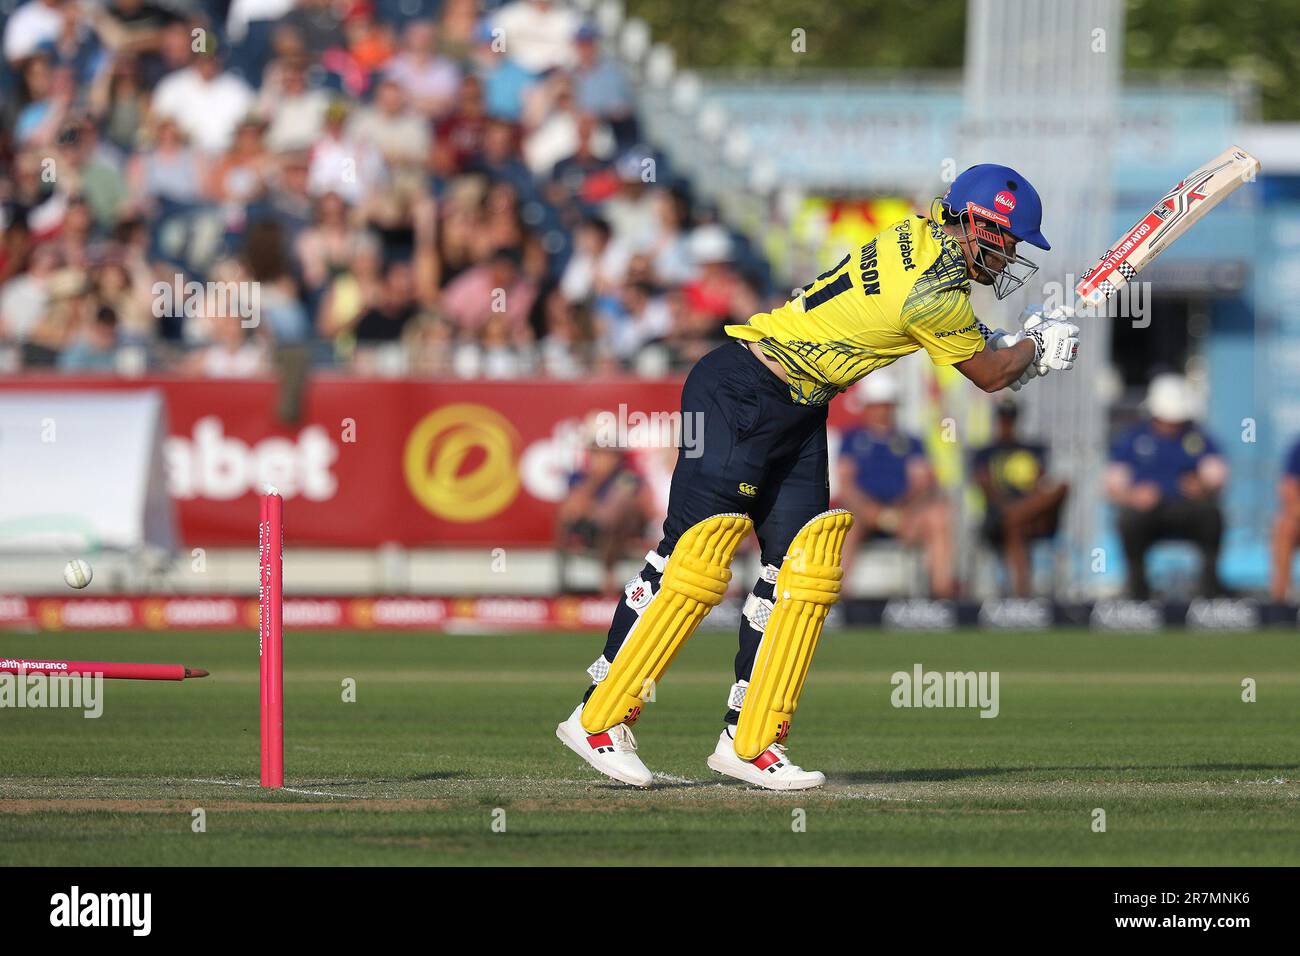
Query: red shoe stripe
pixel 765 759
pixel 596 741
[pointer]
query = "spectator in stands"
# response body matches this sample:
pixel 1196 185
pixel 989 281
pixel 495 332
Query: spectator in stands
pixel 342 164
pixel 77 49
pixel 429 80
pixel 497 287
pixel 383 166
pixel 504 350
pixel 461 243
pixel 15 247
pixel 169 171
pixel 631 211
pixel 566 348
pixel 885 479
pixel 500 160
pixel 46 99
pixel 368 46
pixel 290 200
pixel 91 171
pixel 138 27
pixel 330 244
pixel 540 34
pixel 602 87
pixel 119 101
pixel 124 285
pixel 500 223
pixel 231 351
pixel 673 262
pixel 244 12
pixel 351 289
pixel 25 298
pixel 74 234
pixel 604 514
pixel 693 335
pixel 319 25
pixel 295 111
pixel 639 316
pixel 53 328
pixel 432 347
pixel 1286 525
pixel 584 178
pixel 399 133
pixel 33 199
pixel 287 51
pixel 205 102
pixel 503 81
pixel 1164 477
pixel 244 173
pixel 387 319
pixel 1021 503
pixel 459 27
pixel 458 138
pixel 175 52
pixel 556 127
pixel 93 339
pixel 716 291
pixel 32 25
pixel 598 264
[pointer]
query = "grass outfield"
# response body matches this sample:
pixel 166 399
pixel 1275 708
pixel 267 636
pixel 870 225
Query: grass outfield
pixel 447 729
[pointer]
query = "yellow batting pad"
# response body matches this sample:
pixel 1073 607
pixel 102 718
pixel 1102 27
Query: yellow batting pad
pixel 806 587
pixel 694 581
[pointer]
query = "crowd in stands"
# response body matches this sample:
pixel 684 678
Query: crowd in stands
pixel 423 187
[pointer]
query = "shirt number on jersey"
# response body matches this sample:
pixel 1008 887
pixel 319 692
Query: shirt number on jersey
pixel 844 282
pixel 829 291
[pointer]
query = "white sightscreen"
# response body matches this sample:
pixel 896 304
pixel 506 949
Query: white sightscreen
pixel 1041 84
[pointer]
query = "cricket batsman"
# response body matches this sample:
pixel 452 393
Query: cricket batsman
pixel 762 399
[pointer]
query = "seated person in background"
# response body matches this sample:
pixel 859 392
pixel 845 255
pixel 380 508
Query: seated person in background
pixel 604 513
pixel 1021 504
pixel 886 480
pixel 1164 477
pixel 1286 526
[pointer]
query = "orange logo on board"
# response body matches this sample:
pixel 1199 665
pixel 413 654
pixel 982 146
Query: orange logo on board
pixel 460 462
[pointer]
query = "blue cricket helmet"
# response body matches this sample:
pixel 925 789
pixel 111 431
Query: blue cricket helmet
pixel 1000 190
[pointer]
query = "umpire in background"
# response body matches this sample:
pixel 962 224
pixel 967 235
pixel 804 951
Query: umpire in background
pixel 1022 503
pixel 1164 477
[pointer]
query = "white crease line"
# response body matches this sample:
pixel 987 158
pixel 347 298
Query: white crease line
pixel 227 783
pixel 254 786
pixel 673 778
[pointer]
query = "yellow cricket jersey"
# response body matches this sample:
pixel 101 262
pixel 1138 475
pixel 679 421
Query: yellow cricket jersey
pixel 906 289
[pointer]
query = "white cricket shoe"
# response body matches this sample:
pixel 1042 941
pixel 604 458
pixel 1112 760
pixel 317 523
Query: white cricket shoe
pixel 612 752
pixel 771 770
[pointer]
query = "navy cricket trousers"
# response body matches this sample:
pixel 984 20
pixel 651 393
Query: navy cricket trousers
pixel 754 451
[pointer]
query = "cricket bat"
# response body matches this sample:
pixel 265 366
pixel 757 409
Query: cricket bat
pixel 1172 216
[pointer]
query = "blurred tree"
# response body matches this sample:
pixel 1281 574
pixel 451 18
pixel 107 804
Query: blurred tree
pixel 839 34
pixel 1258 40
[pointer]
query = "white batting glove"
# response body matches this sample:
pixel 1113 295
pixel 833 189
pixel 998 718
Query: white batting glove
pixel 1056 339
pixel 1056 344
